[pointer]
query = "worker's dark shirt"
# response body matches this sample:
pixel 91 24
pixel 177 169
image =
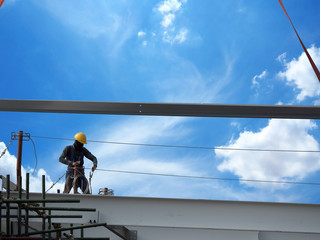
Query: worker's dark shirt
pixel 65 157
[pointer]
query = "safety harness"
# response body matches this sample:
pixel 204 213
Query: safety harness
pixel 77 173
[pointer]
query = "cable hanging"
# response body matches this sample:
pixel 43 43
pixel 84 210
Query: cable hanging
pixel 208 178
pixel 35 153
pixel 190 147
pixel 193 177
pixel 196 177
pixel 5 150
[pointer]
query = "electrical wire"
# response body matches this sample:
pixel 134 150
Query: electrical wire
pixel 190 147
pixel 208 178
pixel 35 153
pixel 56 182
pixel 194 147
pixel 5 150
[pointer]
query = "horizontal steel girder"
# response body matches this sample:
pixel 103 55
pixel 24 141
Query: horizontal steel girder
pixel 162 109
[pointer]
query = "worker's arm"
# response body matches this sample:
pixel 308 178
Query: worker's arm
pixel 90 156
pixel 63 158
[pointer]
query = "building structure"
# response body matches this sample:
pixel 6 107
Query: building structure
pixel 175 219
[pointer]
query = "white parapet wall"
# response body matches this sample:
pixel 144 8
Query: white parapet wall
pixel 175 219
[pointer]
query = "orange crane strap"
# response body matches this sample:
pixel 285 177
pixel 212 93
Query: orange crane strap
pixel 315 69
pixel 1 2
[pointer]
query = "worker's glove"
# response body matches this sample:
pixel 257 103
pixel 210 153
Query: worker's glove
pixel 74 164
pixel 93 168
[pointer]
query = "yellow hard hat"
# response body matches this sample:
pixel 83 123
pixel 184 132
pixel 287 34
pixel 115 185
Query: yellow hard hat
pixel 80 137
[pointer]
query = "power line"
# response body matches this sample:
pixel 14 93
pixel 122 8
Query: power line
pixel 207 178
pixel 199 177
pixel 195 147
pixel 189 147
pixel 35 154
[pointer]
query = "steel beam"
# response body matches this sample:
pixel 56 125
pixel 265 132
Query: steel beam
pixel 162 109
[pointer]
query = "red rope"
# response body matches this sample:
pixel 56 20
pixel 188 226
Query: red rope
pixel 315 69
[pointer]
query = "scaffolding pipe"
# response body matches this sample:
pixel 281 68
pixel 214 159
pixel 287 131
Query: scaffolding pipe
pixel 41 200
pixel 26 229
pixel 47 216
pixel 55 208
pixel 81 232
pixel 23 204
pixel 0 213
pixel 22 238
pixel 49 223
pixel 43 204
pixel 19 156
pixel 8 206
pixel 69 228
pixel 19 204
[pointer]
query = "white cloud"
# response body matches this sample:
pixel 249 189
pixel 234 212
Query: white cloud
pixel 93 19
pixel 168 10
pixel 170 6
pixel 180 37
pixel 256 78
pixel 184 83
pixel 141 33
pixel 282 58
pixel 298 72
pixel 167 20
pixel 139 158
pixel 8 166
pixel 235 124
pixel 139 130
pixel 279 134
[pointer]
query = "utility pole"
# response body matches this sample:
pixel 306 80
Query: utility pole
pixel 19 156
pixel 20 137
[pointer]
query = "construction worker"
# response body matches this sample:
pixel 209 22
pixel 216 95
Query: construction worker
pixel 73 157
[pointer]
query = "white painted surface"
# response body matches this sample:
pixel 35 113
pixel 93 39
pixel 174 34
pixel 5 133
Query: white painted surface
pixel 288 236
pixel 156 218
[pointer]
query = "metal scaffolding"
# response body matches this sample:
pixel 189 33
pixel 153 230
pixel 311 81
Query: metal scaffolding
pixel 26 205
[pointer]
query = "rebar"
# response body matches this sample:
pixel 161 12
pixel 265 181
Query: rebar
pixel 19 155
pixel 8 206
pixel 41 209
pixel 40 200
pixel 54 208
pixel 19 205
pixel 43 203
pixel 26 229
pixel 0 212
pixel 69 228
pixel 47 216
pixel 49 223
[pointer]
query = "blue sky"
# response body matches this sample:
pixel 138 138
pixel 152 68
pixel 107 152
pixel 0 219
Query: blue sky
pixel 181 51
